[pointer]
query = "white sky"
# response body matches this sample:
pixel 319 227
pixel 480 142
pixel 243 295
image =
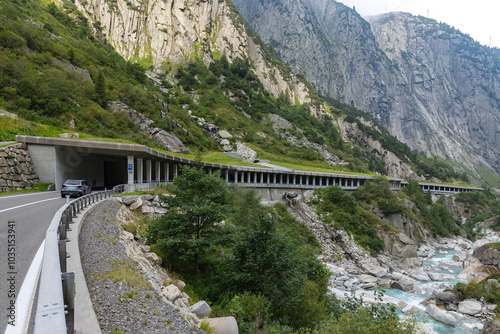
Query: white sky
pixel 479 18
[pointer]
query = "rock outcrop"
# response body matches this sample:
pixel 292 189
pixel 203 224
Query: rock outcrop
pixel 488 254
pixel 168 32
pixel 166 139
pixel 16 168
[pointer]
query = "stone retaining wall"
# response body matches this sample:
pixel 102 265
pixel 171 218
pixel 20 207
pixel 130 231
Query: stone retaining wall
pixel 16 168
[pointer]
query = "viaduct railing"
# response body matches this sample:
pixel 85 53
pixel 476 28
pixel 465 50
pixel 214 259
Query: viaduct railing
pixel 56 296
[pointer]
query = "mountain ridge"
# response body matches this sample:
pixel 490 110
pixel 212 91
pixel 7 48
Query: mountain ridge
pixel 363 74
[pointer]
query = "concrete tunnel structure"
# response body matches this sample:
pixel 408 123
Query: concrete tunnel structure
pixel 106 164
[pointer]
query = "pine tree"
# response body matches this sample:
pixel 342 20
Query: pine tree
pixel 100 95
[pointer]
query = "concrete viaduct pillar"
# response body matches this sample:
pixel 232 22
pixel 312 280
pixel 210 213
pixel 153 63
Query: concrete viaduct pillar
pixel 157 171
pixel 140 170
pixel 167 172
pixel 148 170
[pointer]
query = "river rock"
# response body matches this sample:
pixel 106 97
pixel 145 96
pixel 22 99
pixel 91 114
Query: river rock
pixel 367 279
pixel 424 328
pixel 435 277
pixel 445 297
pixel 439 315
pixel 376 271
pixel 403 283
pixel 426 251
pixel 469 306
pixel 385 284
pixel 419 274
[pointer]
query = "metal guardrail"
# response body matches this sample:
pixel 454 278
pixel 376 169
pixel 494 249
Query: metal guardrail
pixel 56 296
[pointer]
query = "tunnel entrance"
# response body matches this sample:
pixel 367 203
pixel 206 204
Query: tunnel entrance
pixel 115 172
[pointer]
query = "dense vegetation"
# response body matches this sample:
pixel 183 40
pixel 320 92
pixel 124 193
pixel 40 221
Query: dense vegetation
pixel 259 266
pixel 435 216
pixel 479 207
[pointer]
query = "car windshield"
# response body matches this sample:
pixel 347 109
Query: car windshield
pixel 72 182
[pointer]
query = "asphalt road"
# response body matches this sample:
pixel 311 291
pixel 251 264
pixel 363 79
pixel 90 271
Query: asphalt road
pixel 32 214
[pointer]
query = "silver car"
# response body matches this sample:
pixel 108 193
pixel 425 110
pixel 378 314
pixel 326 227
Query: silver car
pixel 75 188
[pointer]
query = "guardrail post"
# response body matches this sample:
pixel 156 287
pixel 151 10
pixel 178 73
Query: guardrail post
pixel 62 254
pixel 68 283
pixel 62 231
pixel 73 210
pixel 65 220
pixel 69 214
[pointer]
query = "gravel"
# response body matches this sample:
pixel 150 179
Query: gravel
pixel 120 308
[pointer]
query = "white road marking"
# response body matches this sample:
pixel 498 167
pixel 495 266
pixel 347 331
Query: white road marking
pixel 21 206
pixel 24 195
pixel 26 296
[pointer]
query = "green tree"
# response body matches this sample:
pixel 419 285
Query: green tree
pixel 264 261
pixel 100 95
pixel 199 201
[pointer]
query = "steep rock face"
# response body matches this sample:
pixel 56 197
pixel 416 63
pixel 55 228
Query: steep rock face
pixel 454 80
pixel 168 32
pixel 430 96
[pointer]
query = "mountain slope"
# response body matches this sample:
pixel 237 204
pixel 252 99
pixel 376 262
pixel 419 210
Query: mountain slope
pixel 338 52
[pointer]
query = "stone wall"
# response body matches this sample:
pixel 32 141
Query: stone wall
pixel 16 168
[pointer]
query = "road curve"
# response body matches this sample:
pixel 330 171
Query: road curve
pixel 32 214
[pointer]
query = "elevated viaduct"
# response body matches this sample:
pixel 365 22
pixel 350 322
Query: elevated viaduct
pixel 105 164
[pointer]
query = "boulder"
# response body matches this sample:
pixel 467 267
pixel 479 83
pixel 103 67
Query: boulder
pixel 446 297
pixel 129 200
pixel 147 210
pixel 127 236
pixel 226 145
pixel 201 309
pixel 376 271
pixel 477 272
pixel 385 284
pixel 153 258
pixel 180 303
pixel 488 255
pixel 172 292
pixel 366 279
pixel 225 134
pixel 180 284
pixel 435 277
pixel 439 315
pixel 471 327
pixel 403 283
pixel 137 204
pixel 469 306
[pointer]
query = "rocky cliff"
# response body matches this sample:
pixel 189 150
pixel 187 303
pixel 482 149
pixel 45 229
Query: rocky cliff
pixel 170 32
pixel 434 88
